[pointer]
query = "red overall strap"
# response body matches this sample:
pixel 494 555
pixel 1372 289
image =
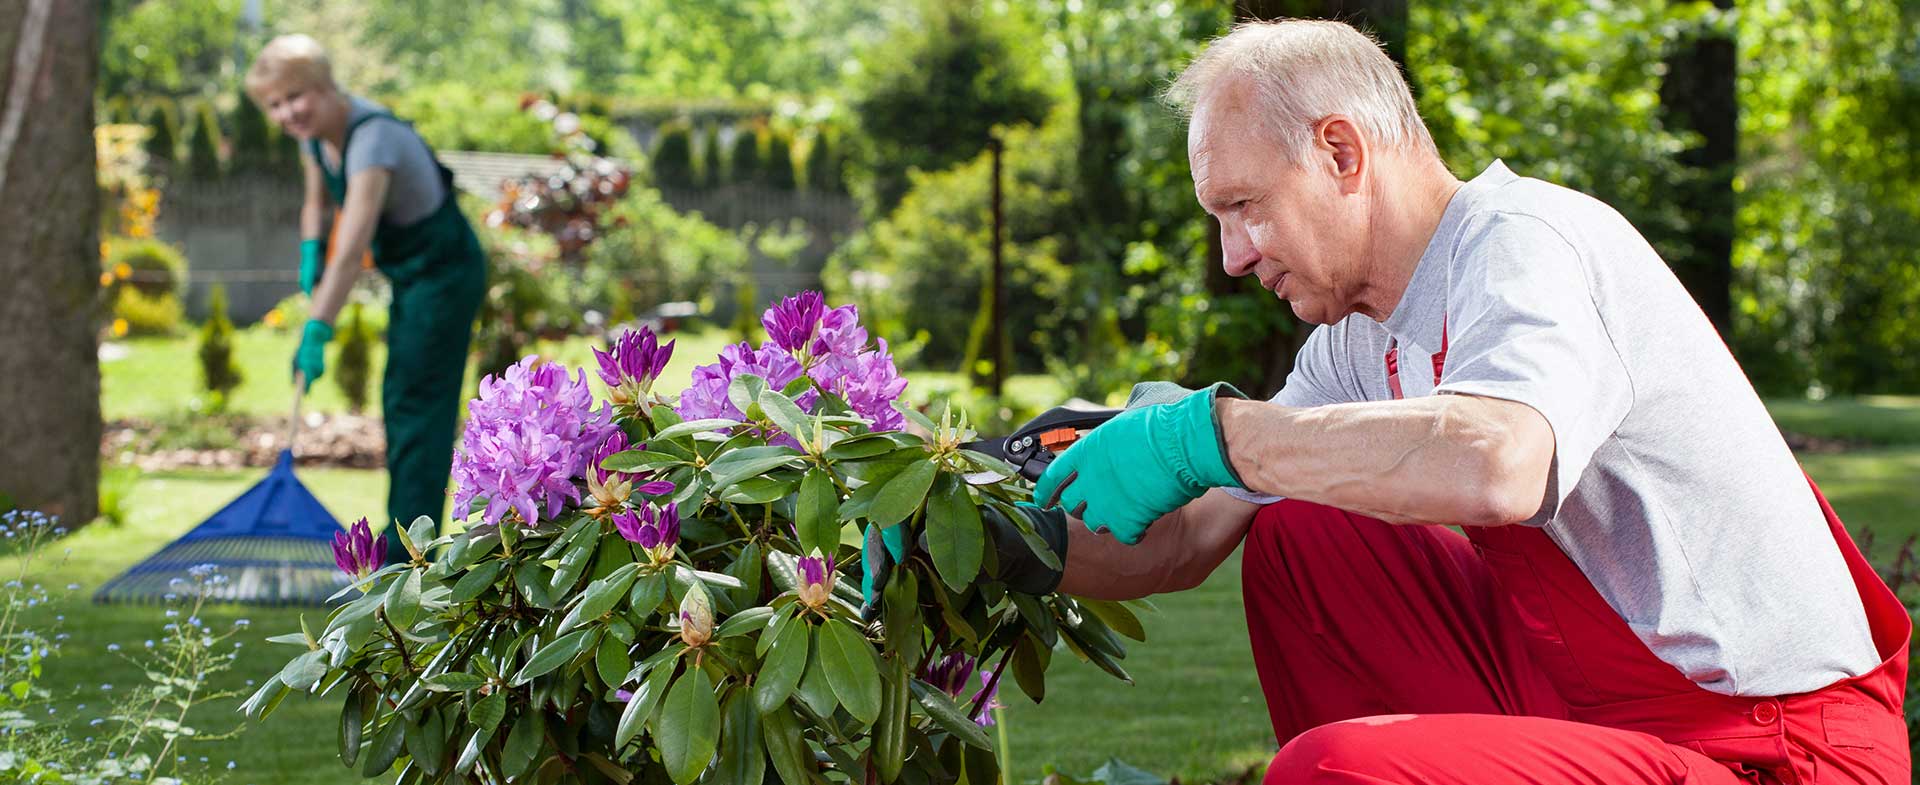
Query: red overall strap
pixel 1393 361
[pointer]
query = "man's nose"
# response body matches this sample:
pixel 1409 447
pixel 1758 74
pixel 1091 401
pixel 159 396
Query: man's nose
pixel 1237 253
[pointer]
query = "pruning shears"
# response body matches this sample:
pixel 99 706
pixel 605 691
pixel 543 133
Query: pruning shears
pixel 1031 448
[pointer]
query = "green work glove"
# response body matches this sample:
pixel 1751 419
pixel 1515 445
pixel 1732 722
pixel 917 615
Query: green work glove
pixel 310 360
pixel 1014 562
pixel 310 253
pixel 1147 462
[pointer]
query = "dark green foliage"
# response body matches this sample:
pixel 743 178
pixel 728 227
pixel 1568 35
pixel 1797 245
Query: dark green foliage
pixel 939 85
pixel 155 268
pixel 163 144
pixel 823 164
pixel 219 374
pixel 354 366
pixel 746 165
pixel 779 161
pixel 203 146
pixel 252 143
pixel 673 158
pixel 712 171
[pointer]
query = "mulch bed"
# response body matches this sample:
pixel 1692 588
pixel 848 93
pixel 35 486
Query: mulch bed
pixel 349 441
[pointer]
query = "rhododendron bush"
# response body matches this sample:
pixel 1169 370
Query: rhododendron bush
pixel 662 589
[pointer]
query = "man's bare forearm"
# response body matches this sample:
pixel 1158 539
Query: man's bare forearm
pixel 1178 552
pixel 1437 459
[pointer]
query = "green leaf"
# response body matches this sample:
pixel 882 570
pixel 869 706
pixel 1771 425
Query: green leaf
pixel 688 730
pixel 1030 667
pixel 862 446
pixel 742 756
pixel 903 494
pixel 523 744
pixel 351 720
pixel 786 414
pixel 815 689
pixel 817 512
pixel 1118 617
pixel 787 747
pixel 487 712
pixel 421 532
pixel 900 609
pixel 687 428
pixel 744 393
pixel 574 563
pixel 600 596
pixel 611 661
pixel 737 465
pixel 850 669
pixel 988 463
pixel 305 670
pixel 955 537
pixel 263 701
pixel 427 742
pixel 890 738
pixel 552 655
pixel 757 490
pixel 647 593
pixel 475 582
pixel 385 748
pixel 785 663
pixel 403 600
pixel 949 716
pixel 455 682
pixel 639 710
pixel 744 622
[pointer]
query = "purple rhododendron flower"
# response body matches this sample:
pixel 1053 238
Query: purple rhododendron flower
pixel 840 334
pixel 615 443
pixel 636 359
pixel 655 529
pixel 791 322
pixel 953 674
pixel 531 431
pixel 816 579
pixel 707 396
pixel 354 551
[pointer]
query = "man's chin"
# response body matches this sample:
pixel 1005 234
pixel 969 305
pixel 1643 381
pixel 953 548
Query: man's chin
pixel 1307 312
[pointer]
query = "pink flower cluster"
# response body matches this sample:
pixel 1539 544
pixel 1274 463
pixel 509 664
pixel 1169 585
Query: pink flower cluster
pixel 827 345
pixel 529 434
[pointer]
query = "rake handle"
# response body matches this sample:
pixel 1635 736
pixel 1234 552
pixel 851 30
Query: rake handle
pixel 293 423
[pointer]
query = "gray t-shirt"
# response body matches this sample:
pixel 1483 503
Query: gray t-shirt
pixel 414 189
pixel 1672 489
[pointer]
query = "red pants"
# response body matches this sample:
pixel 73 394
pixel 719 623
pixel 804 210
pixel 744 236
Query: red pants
pixel 1412 654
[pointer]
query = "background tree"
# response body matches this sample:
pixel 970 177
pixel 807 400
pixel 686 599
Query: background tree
pixel 49 364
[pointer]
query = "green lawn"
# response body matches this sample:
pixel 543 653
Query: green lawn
pixel 1194 710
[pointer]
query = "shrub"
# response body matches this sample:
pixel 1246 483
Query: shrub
pixel 355 365
pixel 662 614
pixel 823 164
pixel 163 145
pixel 151 266
pixel 137 314
pixel 252 142
pixel 779 161
pixel 712 172
pixel 203 147
pixel 673 158
pixel 656 254
pixel 747 164
pixel 218 372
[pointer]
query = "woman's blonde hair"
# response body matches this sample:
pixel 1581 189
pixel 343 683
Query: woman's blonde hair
pixel 1302 71
pixel 290 60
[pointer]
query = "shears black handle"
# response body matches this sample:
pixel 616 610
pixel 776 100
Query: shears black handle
pixel 1031 448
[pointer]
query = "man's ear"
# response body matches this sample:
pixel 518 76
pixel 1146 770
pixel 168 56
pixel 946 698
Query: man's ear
pixel 1338 139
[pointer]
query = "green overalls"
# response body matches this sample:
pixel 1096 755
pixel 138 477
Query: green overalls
pixel 439 276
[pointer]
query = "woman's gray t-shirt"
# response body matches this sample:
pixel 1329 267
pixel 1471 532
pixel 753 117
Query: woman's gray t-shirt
pixel 414 189
pixel 1672 489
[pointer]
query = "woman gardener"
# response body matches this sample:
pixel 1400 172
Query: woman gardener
pixel 394 198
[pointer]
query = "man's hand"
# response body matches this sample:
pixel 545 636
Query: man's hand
pixel 310 252
pixel 1141 465
pixel 1018 566
pixel 310 360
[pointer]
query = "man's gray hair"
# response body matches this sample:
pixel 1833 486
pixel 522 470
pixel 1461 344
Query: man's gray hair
pixel 1301 71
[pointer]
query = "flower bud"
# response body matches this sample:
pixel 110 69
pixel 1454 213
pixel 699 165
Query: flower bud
pixel 816 579
pixel 696 617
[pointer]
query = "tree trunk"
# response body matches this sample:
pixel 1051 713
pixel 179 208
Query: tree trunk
pixel 1386 20
pixel 49 263
pixel 1699 95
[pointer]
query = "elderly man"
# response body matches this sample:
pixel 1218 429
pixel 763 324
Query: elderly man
pixel 1647 590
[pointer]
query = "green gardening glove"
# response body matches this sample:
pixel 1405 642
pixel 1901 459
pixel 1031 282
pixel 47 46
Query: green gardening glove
pixel 310 360
pixel 1141 465
pixel 310 253
pixel 1014 561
